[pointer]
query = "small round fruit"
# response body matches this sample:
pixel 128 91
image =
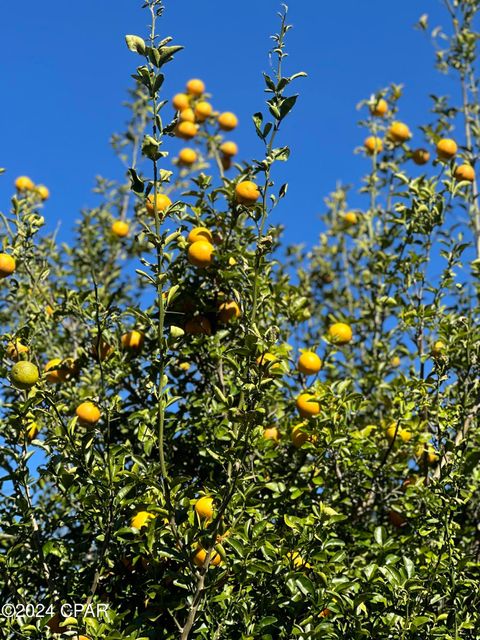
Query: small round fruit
pixel 187 115
pixel 186 130
pixel 162 201
pixel 298 562
pixel 421 156
pixel 203 110
pixel 307 406
pixel 24 183
pixel 395 361
pixel 204 508
pixel 247 193
pixel 380 108
pixel 133 340
pixel 88 413
pixel 271 433
pixel 340 333
pixel 198 325
pixel 141 519
pixel 228 311
pixel 7 265
pixel 187 157
pixel 200 254
pixel 373 144
pixel 438 349
pixel 24 375
pixel 309 363
pixel 426 453
pixel 446 148
pixel 393 433
pixel 227 121
pixel 120 228
pixel 16 349
pixel 465 172
pixel 269 361
pixel 43 192
pixel 180 101
pixel 199 233
pixel 195 87
pixel 229 149
pixel 200 555
pixel 350 218
pixel 399 132
pixel 54 372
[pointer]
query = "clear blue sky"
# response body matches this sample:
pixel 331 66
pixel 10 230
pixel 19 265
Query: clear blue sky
pixel 65 70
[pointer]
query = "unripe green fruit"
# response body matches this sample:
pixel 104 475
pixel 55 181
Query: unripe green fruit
pixel 24 375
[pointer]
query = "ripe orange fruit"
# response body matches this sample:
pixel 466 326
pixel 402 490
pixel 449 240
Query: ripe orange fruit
pixel 421 156
pixel 438 349
pixel 42 191
pixel 309 363
pixel 200 254
pixel 307 406
pixel 133 340
pixel 380 108
pixel 270 362
pixel 426 453
pixel 187 156
pixel 446 148
pixel 403 434
pixel 162 201
pixel 88 413
pixel 55 372
pixel 227 121
pixel 395 361
pixel 296 559
pixel 24 375
pixel 271 433
pixel 7 265
pixel 184 366
pixel 186 130
pixel 16 349
pixel 195 87
pixel 228 311
pixel 141 519
pixel 247 192
pixel 229 149
pixel 32 430
pixel 373 144
pixel 298 436
pixel 204 508
pixel 49 310
pixel 180 101
pixel 350 219
pixel 200 555
pixel 340 333
pixel 465 172
pixel 120 228
pixel 187 115
pixel 198 325
pixel 203 110
pixel 23 183
pixel 200 233
pixel 399 132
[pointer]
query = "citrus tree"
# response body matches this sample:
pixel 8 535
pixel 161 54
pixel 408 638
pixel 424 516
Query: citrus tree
pixel 207 434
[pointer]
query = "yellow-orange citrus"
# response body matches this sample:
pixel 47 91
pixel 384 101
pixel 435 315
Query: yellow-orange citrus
pixel 399 132
pixel 162 201
pixel 88 413
pixel 16 349
pixel 204 508
pixel 187 156
pixel 247 192
pixel 228 311
pixel 200 254
pixel 380 108
pixel 373 144
pixel 350 218
pixel 200 555
pixel 180 101
pixel 186 130
pixel 195 87
pixel 229 149
pixel 120 228
pixel 465 172
pixel 397 433
pixel 133 340
pixel 141 519
pixel 200 233
pixel 7 265
pixel 24 374
pixel 203 110
pixel 227 121
pixel 340 333
pixel 54 372
pixel 446 148
pixel 309 363
pixel 307 406
pixel 298 435
pixel 187 115
pixel 438 349
pixel 24 183
pixel 271 433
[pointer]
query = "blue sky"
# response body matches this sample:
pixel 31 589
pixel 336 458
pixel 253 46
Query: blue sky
pixel 65 70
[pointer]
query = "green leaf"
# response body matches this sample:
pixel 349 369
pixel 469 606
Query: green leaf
pixel 136 44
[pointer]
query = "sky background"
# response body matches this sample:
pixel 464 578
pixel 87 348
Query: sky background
pixel 65 70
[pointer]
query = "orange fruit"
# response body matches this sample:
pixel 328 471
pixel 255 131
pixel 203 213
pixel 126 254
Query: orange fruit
pixel 195 87
pixel 421 156
pixel 180 101
pixel 393 433
pixel 24 183
pixel 340 333
pixel 198 325
pixel 309 363
pixel 380 108
pixel 203 110
pixel 120 228
pixel 133 340
pixel 187 156
pixel 187 115
pixel 200 233
pixel 247 193
pixel 296 559
pixel 200 555
pixel 307 406
pixel 229 149
pixel 141 519
pixel 24 375
pixel 42 192
pixel 55 372
pixel 350 219
pixel 162 201
pixel 438 349
pixel 204 508
pixel 200 254
pixel 32 431
pixel 186 130
pixel 271 433
pixel 465 172
pixel 16 349
pixel 446 148
pixel 395 361
pixel 399 132
pixel 426 453
pixel 228 311
pixel 7 265
pixel 373 144
pixel 88 413
pixel 270 362
pixel 227 121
